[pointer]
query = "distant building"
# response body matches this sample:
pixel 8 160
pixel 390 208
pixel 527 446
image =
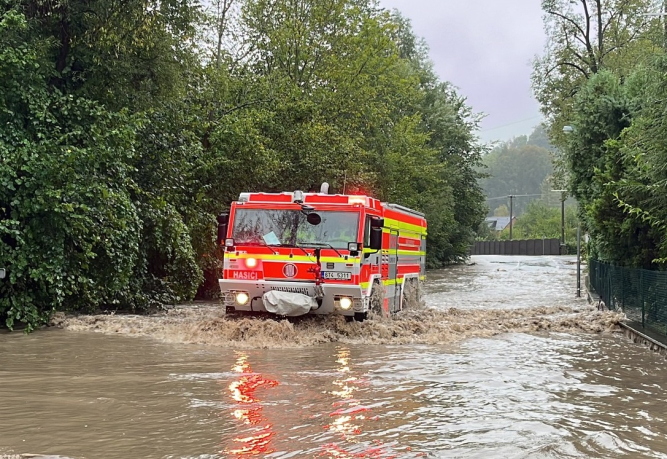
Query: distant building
pixel 499 223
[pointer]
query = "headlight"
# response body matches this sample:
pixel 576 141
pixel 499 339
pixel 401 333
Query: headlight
pixel 345 303
pixel 242 298
pixel 251 262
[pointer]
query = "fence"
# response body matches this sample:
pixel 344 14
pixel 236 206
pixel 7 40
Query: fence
pixel 641 294
pixel 524 247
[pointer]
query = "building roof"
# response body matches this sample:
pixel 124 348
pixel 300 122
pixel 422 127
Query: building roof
pixel 498 223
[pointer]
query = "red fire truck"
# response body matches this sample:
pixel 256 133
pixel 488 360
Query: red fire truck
pixel 297 253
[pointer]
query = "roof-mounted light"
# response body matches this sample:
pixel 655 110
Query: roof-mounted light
pixel 363 200
pixel 297 197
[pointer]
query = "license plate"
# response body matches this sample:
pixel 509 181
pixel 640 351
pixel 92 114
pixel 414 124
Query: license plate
pixel 336 275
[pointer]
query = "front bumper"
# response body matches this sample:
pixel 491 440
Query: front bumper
pixel 255 290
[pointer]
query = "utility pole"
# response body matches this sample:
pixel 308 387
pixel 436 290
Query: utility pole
pixel 562 217
pixel 511 216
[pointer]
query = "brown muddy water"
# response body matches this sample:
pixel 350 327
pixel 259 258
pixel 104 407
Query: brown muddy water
pixel 501 361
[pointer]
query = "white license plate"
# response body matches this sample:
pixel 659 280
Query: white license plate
pixel 336 275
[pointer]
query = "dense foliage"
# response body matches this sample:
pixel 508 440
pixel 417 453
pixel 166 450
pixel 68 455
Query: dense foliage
pixel 522 166
pixel 125 127
pixel 609 85
pixel 542 221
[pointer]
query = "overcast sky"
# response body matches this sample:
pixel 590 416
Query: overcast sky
pixel 484 48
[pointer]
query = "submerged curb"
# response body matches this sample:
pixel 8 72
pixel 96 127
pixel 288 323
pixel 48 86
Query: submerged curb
pixel 639 335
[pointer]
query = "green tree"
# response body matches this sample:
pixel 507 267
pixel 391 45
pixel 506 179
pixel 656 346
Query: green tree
pixel 127 126
pixel 583 38
pixel 543 221
pixel 518 167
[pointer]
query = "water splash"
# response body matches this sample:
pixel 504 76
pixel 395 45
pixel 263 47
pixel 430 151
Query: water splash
pixel 207 324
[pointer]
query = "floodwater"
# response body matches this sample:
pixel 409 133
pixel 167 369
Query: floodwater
pixel 502 362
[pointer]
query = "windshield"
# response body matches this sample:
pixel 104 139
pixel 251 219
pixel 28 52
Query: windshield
pixel 290 227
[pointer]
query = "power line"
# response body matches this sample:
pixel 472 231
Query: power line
pixel 513 196
pixel 510 124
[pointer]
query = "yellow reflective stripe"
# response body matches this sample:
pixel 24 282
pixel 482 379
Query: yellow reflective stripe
pixel 287 258
pixel 400 280
pixel 410 252
pixel 402 226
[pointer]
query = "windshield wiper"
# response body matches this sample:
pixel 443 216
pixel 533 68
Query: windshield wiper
pixel 262 244
pixel 297 246
pixel 323 244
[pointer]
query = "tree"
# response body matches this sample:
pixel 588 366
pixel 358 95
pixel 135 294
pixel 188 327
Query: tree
pixel 126 127
pixel 542 221
pixel 517 167
pixel 640 189
pixel 583 38
pixel 77 231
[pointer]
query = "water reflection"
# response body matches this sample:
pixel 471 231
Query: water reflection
pixel 349 410
pixel 249 410
pixel 350 414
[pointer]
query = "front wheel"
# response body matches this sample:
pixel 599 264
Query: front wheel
pixel 360 316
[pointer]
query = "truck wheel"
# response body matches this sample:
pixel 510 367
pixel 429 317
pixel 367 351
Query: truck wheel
pixel 410 294
pixel 377 298
pixel 360 316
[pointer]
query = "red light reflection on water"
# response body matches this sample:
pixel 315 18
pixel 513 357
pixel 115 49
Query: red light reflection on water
pixel 350 415
pixel 249 411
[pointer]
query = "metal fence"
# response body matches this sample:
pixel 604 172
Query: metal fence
pixel 641 294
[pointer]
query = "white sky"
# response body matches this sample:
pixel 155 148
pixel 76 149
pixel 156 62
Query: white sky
pixel 485 49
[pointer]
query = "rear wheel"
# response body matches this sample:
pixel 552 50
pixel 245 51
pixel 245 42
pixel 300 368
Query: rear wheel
pixel 411 294
pixel 409 300
pixel 377 298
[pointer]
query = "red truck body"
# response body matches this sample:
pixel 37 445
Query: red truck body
pixel 350 253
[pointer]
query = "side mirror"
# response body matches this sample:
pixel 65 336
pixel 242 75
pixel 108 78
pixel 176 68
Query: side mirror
pixel 376 239
pixel 377 222
pixel 223 219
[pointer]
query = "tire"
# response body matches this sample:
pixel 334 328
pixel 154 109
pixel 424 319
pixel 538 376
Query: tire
pixel 377 298
pixel 349 318
pixel 411 294
pixel 360 316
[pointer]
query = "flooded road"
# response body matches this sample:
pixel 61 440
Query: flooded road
pixel 503 362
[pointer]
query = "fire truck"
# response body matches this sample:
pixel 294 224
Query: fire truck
pixel 296 253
